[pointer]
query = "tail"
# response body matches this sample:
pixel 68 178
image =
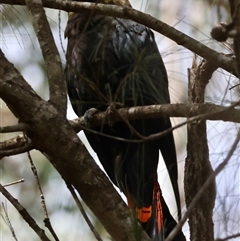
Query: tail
pixel 167 147
pixel 156 219
pixel 151 217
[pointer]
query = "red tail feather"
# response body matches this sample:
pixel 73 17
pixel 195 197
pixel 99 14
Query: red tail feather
pixel 159 212
pixel 144 214
pixel 151 217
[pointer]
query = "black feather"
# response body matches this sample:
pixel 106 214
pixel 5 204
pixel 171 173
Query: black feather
pixel 112 60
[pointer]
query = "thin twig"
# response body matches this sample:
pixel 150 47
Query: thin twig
pixel 16 151
pixel 13 183
pixel 232 87
pixel 59 31
pixel 26 216
pixel 12 143
pixel 94 231
pixel 46 218
pixel 203 189
pixel 14 128
pixel 35 173
pixel 48 224
pixel 14 146
pixel 228 237
pixel 8 222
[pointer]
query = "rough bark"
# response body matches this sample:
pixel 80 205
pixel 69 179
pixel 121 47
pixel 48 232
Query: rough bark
pixel 235 12
pixel 198 167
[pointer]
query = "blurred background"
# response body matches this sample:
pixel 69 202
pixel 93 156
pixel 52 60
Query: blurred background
pixel 19 43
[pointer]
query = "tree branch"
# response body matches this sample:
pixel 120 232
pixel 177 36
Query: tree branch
pixel 203 111
pixel 16 150
pixel 220 60
pixel 235 12
pixel 85 216
pixel 13 128
pixel 228 237
pixel 197 112
pixel 14 183
pixel 14 146
pixel 8 222
pixel 54 69
pixel 197 165
pixel 18 141
pixel 26 216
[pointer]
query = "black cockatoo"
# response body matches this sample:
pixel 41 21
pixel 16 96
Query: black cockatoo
pixel 116 61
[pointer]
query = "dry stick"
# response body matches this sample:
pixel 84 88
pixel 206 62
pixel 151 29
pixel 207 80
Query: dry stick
pixel 11 143
pixel 78 124
pixel 59 32
pixel 13 183
pixel 46 218
pixel 79 204
pixel 153 111
pixel 16 151
pixel 203 189
pixel 206 110
pixel 16 145
pixel 163 133
pixel 26 216
pixel 8 222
